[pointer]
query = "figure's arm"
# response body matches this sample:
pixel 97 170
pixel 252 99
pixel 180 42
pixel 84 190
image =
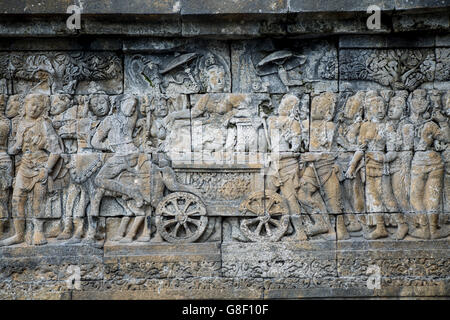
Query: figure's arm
pixel 391 141
pixel 100 135
pixel 341 140
pixel 195 112
pixel 296 137
pixel 443 132
pixel 15 149
pixel 357 157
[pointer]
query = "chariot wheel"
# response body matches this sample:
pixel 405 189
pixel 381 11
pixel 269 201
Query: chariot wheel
pixel 181 217
pixel 271 219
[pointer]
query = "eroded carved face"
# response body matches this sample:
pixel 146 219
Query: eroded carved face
pixel 2 104
pixel 13 106
pixel 396 107
pixel 161 109
pixel 353 107
pixel 34 105
pixel 375 106
pixel 287 105
pixel 128 106
pixel 323 106
pixel 216 79
pixel 418 102
pixel 59 104
pixel 99 105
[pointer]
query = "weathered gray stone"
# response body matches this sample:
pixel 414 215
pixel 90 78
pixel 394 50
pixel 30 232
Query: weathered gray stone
pixel 337 6
pixel 224 150
pixel 232 7
pixel 428 21
pixel 372 41
pixel 420 4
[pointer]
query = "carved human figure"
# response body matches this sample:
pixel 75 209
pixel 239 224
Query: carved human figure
pixel 115 134
pixel 6 166
pixel 13 111
pixel 82 167
pixel 63 113
pixel 402 136
pixel 446 155
pixel 320 169
pixel 158 122
pixel 427 168
pixel 217 115
pixel 40 147
pixel 373 139
pixel 347 139
pixel 285 142
pixel 214 75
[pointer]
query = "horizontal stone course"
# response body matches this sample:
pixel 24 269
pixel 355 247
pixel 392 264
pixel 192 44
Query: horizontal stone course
pixel 212 7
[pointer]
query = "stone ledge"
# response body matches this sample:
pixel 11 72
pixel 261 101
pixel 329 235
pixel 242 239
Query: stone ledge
pixel 98 7
pixel 212 7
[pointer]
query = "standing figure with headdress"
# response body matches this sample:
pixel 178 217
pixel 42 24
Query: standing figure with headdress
pixel 40 147
pixel 427 168
pixel 6 166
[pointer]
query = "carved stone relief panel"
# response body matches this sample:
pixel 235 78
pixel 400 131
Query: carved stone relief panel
pixel 282 66
pixel 398 69
pixel 181 158
pixel 62 72
pixel 179 68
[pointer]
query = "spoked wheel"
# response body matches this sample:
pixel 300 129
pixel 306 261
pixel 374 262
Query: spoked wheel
pixel 181 217
pixel 272 219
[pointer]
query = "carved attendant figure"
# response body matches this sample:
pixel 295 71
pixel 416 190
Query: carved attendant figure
pixel 373 139
pixel 427 167
pixel 41 148
pixel 115 134
pixel 285 141
pixel 6 167
pixel 320 173
pixel 83 166
pixel 400 167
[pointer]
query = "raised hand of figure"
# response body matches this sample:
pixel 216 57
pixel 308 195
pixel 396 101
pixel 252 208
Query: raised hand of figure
pixel 350 173
pixel 43 176
pixel 439 117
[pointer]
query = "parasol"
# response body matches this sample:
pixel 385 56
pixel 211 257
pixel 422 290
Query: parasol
pixel 178 61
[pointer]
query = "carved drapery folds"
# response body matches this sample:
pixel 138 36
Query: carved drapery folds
pixel 253 141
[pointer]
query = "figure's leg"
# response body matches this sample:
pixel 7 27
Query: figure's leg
pixel 354 192
pixel 19 201
pixel 333 197
pixel 122 229
pixel 109 172
pixel 436 231
pixel 400 190
pixel 72 193
pixel 133 230
pixel 78 215
pixel 380 229
pixel 305 195
pixel 18 208
pixel 145 237
pixel 357 194
pixel 93 214
pixel 374 189
pixel 433 193
pixel 4 212
pixel 288 192
pixel 39 193
pixel 418 181
pixel 388 195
